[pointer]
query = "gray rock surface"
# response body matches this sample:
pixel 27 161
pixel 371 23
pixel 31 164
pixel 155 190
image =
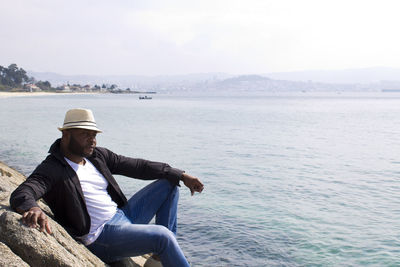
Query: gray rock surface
pixel 24 246
pixel 9 258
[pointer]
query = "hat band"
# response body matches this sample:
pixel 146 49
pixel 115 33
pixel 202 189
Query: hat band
pixel 77 123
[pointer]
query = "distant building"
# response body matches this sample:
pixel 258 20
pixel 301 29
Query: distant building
pixel 32 88
pixel 77 88
pixel 64 88
pixel 87 88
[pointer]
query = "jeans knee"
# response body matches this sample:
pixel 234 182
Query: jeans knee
pixel 164 238
pixel 164 233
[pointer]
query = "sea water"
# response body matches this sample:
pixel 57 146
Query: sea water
pixel 301 179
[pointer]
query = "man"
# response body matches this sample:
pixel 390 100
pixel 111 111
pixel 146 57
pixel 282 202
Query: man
pixel 76 182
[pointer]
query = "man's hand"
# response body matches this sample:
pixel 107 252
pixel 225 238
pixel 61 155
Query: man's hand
pixel 192 183
pixel 35 216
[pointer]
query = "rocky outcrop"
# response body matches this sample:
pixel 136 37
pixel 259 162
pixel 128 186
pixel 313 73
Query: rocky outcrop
pixel 9 258
pixel 24 246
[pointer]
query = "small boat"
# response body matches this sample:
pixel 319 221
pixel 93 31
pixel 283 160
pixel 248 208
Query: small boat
pixel 145 97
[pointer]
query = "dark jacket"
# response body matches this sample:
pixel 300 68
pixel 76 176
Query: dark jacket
pixel 58 184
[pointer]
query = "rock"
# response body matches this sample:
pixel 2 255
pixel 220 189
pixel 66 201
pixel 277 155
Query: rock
pixel 41 249
pixel 8 258
pixel 24 246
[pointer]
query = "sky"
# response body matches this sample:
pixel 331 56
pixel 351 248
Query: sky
pixel 129 37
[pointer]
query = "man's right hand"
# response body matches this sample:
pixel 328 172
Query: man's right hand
pixel 35 216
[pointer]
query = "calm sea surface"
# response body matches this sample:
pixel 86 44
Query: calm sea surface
pixel 290 180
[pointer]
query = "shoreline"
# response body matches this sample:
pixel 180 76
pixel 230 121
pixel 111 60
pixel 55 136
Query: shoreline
pixel 24 94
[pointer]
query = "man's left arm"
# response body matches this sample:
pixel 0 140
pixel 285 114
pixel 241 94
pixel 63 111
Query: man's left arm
pixel 140 168
pixel 150 170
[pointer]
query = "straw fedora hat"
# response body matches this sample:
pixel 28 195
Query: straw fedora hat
pixel 79 118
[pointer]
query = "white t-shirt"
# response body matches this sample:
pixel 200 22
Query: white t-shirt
pixel 99 204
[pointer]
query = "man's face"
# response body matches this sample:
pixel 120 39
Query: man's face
pixel 81 142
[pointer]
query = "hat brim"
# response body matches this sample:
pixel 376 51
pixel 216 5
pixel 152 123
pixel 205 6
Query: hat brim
pixel 92 128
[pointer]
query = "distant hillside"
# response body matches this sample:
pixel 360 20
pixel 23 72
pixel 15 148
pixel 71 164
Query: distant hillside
pixel 245 78
pixel 259 83
pixel 365 75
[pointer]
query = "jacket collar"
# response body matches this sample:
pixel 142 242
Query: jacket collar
pixel 55 150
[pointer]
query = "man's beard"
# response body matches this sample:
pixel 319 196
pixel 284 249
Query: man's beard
pixel 76 149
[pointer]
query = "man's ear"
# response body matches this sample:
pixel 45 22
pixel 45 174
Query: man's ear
pixel 65 134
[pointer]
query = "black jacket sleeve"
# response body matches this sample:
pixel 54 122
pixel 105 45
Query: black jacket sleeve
pixel 33 188
pixel 140 168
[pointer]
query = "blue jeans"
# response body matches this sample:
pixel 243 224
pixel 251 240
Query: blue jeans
pixel 128 233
